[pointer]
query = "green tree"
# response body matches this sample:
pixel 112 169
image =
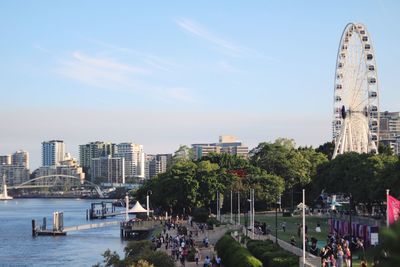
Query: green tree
pixel 267 187
pixel 283 161
pixel 388 251
pixel 138 254
pixel 385 149
pixel 327 149
pixel 365 176
pixel 209 183
pixel 314 159
pixel 142 263
pixel 227 161
pixel 183 153
pixel 175 190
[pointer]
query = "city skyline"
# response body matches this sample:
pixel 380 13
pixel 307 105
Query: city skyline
pixel 177 74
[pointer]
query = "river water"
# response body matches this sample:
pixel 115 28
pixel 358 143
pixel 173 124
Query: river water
pixel 81 248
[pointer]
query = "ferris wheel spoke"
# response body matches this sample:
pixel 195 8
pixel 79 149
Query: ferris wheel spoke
pixel 358 91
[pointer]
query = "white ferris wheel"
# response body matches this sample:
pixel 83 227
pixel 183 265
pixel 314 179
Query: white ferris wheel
pixel 356 94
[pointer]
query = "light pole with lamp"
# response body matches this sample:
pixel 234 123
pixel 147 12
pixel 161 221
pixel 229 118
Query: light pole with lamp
pixel 148 202
pixel 251 211
pixel 351 230
pixel 238 198
pixel 278 203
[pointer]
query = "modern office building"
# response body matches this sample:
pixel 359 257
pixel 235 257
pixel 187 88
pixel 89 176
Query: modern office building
pixel 156 164
pixel 134 159
pixel 227 144
pixel 20 158
pixel 92 150
pixel 201 150
pixel 389 130
pixel 52 152
pixel 109 169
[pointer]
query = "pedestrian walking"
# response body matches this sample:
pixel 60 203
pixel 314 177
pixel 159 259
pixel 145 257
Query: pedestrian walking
pixel 197 257
pixel 207 262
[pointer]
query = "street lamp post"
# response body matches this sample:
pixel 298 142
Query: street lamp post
pixel 149 192
pixel 351 230
pixel 278 203
pixel 251 211
pixel 218 217
pixel 238 208
pixel 126 207
pixel 231 209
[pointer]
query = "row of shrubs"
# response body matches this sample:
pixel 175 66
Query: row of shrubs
pixel 234 255
pixel 271 254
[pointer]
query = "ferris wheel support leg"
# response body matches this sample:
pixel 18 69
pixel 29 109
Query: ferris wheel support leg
pixel 343 137
pixel 350 141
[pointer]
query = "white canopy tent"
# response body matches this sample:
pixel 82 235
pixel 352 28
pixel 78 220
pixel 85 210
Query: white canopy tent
pixel 137 208
pixel 300 206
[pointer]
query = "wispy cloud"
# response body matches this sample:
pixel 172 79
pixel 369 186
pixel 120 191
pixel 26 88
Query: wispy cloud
pixel 180 94
pixel 225 46
pixel 106 63
pixel 151 60
pixel 200 31
pixel 109 73
pixel 99 71
pixel 225 66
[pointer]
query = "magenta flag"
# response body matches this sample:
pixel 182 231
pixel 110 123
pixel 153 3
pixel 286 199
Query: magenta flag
pixel 393 209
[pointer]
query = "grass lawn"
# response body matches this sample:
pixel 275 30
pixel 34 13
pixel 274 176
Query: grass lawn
pixel 292 224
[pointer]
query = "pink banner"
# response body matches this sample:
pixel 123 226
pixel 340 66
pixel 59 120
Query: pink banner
pixel 393 209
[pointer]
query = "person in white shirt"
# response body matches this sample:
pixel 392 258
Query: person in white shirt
pixel 207 262
pixel 218 261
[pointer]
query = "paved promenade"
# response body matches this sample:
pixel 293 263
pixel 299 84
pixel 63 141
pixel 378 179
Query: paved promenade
pixel 212 235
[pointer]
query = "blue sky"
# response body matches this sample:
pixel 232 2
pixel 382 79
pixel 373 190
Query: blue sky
pixel 164 73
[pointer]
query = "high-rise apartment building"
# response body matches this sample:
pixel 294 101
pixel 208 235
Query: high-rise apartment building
pixel 5 160
pixel 92 150
pixel 156 164
pixel 389 130
pixel 15 175
pixel 20 158
pixel 227 144
pixel 134 159
pixel 52 152
pixel 15 167
pixel 111 169
pixel 67 170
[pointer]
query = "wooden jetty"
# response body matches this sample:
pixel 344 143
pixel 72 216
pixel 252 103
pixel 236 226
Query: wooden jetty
pixel 128 229
pixel 59 229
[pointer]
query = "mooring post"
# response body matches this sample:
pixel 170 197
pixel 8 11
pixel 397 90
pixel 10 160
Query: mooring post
pixel 44 226
pixel 33 228
pixel 87 214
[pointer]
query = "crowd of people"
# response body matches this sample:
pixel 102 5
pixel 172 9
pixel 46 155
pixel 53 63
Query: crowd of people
pixel 338 250
pixel 176 238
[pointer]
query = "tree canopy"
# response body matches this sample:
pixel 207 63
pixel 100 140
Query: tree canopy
pixel 271 169
pixel 295 166
pixel 190 184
